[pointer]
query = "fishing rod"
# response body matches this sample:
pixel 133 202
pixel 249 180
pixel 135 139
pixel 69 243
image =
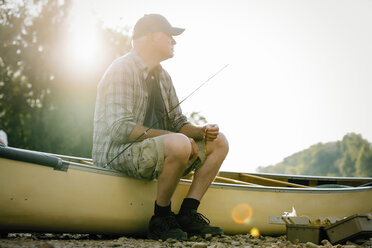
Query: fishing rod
pixel 145 132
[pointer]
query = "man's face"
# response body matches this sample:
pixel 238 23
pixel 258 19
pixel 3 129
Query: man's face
pixel 164 45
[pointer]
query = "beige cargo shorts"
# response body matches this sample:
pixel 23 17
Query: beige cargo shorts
pixel 145 160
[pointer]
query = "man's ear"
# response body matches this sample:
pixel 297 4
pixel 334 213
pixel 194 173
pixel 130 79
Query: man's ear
pixel 153 37
pixel 150 37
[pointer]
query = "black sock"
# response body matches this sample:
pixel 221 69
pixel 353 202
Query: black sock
pixel 189 204
pixel 162 211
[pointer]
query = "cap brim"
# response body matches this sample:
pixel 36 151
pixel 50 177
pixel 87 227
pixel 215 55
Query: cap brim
pixel 175 31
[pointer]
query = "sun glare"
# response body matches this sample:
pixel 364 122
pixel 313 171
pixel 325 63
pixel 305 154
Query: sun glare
pixel 83 40
pixel 254 232
pixel 84 43
pixel 242 214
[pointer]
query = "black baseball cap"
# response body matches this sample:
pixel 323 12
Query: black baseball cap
pixel 154 23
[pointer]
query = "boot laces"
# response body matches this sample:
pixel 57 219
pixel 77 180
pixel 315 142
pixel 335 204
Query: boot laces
pixel 200 218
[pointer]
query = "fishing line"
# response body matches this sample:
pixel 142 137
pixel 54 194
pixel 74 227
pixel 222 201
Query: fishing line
pixel 145 132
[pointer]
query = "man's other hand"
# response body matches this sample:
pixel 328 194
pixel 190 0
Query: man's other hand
pixel 211 131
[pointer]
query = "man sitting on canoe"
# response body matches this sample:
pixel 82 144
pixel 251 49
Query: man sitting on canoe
pixel 136 93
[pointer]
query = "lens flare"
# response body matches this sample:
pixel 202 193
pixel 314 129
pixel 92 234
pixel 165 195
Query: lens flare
pixel 255 232
pixel 242 213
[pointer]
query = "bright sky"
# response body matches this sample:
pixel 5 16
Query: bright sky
pixel 300 71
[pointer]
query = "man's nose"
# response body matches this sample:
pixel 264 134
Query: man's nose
pixel 173 41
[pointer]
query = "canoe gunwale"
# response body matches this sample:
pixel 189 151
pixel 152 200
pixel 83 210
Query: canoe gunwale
pixel 34 157
pixel 285 190
pixel 289 176
pixel 306 177
pixel 78 166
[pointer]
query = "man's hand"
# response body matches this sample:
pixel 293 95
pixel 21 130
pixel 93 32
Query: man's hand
pixel 211 132
pixel 194 149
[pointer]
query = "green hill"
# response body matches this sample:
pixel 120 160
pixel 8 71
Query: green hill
pixel 351 157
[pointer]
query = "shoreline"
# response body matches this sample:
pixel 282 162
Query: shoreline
pixel 50 240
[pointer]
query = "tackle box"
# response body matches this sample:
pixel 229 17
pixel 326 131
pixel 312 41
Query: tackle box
pixel 305 233
pixel 357 226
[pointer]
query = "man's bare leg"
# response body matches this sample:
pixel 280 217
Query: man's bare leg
pixel 163 223
pixel 177 150
pixel 188 218
pixel 204 176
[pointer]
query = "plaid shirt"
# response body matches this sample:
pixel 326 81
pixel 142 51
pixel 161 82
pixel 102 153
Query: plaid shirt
pixel 121 104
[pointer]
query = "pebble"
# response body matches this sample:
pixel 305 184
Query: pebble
pixel 123 239
pixel 208 236
pixel 200 245
pixel 326 243
pixel 171 240
pixel 311 245
pixel 193 238
pixel 46 245
pixel 225 240
pixel 235 243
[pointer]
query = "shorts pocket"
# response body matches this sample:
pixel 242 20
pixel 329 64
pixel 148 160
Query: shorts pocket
pixel 146 160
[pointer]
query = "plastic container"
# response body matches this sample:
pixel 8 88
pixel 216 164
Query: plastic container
pixel 305 233
pixel 358 226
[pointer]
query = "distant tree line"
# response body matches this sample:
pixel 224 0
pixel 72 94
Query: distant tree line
pixel 350 157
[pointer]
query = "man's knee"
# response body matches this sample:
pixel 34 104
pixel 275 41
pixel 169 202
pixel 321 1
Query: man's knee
pixel 222 141
pixel 220 144
pixel 177 146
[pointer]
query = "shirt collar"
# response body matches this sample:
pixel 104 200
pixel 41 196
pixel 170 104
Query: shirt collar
pixel 141 65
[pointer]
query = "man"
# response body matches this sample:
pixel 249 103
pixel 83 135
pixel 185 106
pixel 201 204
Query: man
pixel 136 93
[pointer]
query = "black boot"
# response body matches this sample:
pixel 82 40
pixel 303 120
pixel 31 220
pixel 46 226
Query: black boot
pixel 165 227
pixel 196 224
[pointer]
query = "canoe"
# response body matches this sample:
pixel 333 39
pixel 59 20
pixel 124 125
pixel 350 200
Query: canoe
pixel 42 192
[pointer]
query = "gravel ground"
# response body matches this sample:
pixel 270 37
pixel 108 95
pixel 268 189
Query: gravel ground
pixel 81 240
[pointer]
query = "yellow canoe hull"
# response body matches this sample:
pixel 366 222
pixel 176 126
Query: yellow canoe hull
pixel 85 199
